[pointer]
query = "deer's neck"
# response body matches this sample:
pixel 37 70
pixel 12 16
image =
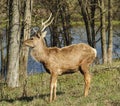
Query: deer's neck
pixel 39 53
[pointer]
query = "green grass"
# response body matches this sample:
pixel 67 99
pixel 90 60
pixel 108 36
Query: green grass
pixel 104 91
pixel 81 23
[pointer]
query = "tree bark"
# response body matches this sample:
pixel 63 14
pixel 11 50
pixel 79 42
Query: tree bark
pixel 103 33
pixel 110 32
pixel 14 43
pixel 26 34
pixel 88 9
pixel 2 70
pixel 61 15
pixel 92 22
pixel 83 5
pixel 65 20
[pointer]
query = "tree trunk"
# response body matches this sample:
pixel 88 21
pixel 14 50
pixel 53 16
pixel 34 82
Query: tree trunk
pixel 83 5
pixel 2 70
pixel 103 33
pixel 65 20
pixel 14 43
pixel 60 10
pixel 54 33
pixel 110 32
pixel 54 28
pixel 92 22
pixel 26 34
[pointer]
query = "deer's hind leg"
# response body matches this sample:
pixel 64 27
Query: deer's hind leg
pixel 87 77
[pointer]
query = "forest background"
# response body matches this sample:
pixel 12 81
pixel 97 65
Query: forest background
pixel 19 17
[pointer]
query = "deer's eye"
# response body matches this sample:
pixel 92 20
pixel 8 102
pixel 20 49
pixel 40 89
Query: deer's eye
pixel 31 38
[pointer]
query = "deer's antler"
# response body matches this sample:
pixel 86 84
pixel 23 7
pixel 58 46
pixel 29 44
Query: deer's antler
pixel 47 23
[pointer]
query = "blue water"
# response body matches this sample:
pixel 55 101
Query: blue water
pixel 78 35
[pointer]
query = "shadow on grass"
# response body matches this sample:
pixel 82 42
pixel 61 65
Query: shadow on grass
pixel 30 98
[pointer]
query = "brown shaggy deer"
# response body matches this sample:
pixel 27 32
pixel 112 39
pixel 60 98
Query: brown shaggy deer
pixel 58 61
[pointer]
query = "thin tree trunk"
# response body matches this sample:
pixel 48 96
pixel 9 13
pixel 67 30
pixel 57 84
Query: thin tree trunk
pixel 14 43
pixel 26 34
pixel 60 10
pixel 103 33
pixel 110 32
pixel 54 28
pixel 55 35
pixel 2 57
pixel 93 10
pixel 86 19
pixel 65 20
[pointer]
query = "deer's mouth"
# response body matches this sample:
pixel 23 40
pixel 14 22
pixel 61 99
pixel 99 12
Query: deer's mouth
pixel 29 44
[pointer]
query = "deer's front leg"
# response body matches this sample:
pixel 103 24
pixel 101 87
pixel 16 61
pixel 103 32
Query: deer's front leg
pixel 53 85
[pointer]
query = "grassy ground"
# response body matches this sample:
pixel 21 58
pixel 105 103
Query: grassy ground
pixel 104 91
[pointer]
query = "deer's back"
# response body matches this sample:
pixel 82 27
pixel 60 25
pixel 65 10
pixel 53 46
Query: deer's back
pixel 70 57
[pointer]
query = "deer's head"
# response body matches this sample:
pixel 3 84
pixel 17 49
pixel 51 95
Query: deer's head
pixel 38 38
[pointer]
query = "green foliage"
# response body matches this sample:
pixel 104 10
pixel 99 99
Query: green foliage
pixel 104 89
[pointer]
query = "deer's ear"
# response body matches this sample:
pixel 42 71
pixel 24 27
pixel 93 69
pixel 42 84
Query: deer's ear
pixel 44 34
